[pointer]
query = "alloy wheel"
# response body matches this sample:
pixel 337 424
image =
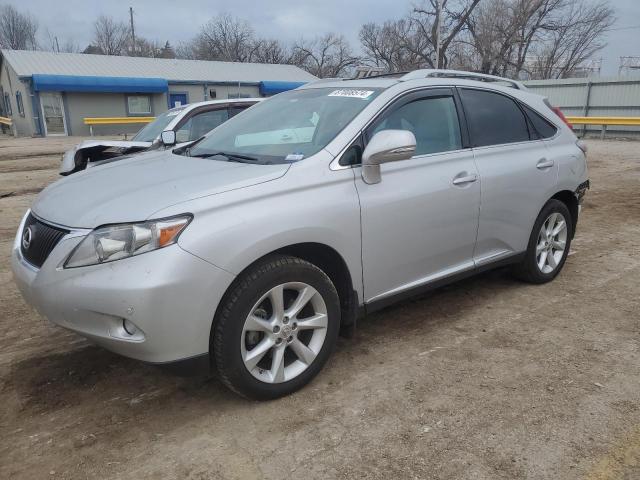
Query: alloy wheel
pixel 552 241
pixel 284 332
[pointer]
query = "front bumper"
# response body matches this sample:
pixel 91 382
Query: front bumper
pixel 169 294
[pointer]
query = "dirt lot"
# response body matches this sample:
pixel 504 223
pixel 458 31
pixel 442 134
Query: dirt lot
pixel 486 379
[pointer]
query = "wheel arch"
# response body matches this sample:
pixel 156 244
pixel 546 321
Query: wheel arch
pixel 333 264
pixel 569 199
pixel 330 262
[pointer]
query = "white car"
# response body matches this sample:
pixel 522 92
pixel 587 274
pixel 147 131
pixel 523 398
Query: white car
pixel 250 249
pixel 189 122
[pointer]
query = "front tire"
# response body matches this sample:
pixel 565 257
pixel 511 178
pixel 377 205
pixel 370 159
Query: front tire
pixel 549 244
pixel 275 328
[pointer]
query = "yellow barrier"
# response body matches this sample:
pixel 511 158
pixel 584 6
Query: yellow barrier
pixel 604 122
pixel 6 121
pixel 91 121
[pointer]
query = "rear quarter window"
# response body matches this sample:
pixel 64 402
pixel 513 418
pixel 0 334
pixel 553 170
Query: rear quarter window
pixel 542 128
pixel 493 119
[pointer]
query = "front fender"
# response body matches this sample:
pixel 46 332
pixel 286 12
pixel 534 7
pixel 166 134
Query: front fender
pixel 234 229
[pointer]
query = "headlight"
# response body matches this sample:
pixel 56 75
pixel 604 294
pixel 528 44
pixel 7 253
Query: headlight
pixel 114 242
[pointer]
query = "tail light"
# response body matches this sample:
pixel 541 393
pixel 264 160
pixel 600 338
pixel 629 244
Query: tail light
pixel 559 113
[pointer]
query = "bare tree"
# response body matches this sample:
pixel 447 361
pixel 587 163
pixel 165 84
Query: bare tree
pixel 167 51
pixel 532 37
pixel 110 36
pixel 412 42
pixel 270 51
pixel 187 50
pixel 223 38
pixel 17 30
pixel 386 45
pixel 146 48
pixel 571 38
pixel 452 17
pixel 327 56
pixel 59 45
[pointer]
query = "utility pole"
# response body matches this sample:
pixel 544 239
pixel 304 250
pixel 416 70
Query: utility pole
pixel 438 30
pixel 133 33
pixel 57 45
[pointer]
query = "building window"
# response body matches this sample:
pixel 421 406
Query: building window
pixel 138 104
pixel 239 95
pixel 19 103
pixel 7 104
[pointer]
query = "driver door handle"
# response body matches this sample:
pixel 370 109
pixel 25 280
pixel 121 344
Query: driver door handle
pixel 466 179
pixel 544 163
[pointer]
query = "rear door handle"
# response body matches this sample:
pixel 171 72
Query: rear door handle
pixel 466 179
pixel 544 163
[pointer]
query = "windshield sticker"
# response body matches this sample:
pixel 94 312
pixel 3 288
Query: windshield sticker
pixel 294 157
pixel 350 92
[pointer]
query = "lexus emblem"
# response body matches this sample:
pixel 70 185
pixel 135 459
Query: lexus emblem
pixel 27 237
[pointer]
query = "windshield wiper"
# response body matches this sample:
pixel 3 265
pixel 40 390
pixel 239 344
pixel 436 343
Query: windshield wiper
pixel 231 157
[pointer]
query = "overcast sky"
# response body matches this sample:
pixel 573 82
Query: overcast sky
pixel 177 20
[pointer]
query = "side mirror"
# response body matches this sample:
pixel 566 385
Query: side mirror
pixel 168 138
pixel 386 146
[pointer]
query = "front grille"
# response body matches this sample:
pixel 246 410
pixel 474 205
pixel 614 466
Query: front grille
pixel 38 240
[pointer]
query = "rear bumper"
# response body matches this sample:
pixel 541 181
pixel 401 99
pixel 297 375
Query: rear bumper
pixel 169 294
pixel 581 191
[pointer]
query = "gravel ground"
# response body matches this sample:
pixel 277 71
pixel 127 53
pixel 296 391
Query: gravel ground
pixel 486 379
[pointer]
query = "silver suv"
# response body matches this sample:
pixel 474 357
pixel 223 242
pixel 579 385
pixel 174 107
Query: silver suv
pixel 254 247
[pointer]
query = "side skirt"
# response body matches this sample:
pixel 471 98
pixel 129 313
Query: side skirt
pixel 369 308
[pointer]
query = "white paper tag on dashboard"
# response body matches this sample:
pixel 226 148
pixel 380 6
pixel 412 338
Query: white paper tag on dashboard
pixel 350 92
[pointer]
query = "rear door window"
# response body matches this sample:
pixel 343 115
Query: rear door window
pixel 493 119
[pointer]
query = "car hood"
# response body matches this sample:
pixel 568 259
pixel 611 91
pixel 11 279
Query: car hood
pixel 133 189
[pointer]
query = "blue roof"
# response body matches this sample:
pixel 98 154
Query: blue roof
pixel 271 88
pixel 73 83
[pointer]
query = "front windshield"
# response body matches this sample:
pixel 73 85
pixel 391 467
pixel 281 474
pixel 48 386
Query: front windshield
pixel 150 132
pixel 286 128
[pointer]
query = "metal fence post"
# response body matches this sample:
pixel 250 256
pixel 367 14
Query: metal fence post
pixel 586 106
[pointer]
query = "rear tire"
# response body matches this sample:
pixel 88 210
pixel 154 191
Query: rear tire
pixel 548 246
pixel 276 328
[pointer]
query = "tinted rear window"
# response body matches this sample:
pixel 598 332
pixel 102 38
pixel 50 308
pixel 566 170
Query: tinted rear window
pixel 493 118
pixel 542 128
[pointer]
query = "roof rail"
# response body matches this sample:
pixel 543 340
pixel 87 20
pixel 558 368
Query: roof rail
pixel 481 77
pixel 325 80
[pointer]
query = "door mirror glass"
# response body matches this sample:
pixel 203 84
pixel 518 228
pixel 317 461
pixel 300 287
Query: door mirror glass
pixel 168 138
pixel 386 146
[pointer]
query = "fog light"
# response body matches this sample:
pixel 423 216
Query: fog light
pixel 129 327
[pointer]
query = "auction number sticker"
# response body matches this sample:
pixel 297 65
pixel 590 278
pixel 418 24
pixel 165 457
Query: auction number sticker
pixel 350 92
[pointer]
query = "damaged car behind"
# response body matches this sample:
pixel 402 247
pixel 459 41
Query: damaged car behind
pixel 189 122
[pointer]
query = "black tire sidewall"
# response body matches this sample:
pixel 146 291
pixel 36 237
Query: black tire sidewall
pixel 236 307
pixel 531 264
